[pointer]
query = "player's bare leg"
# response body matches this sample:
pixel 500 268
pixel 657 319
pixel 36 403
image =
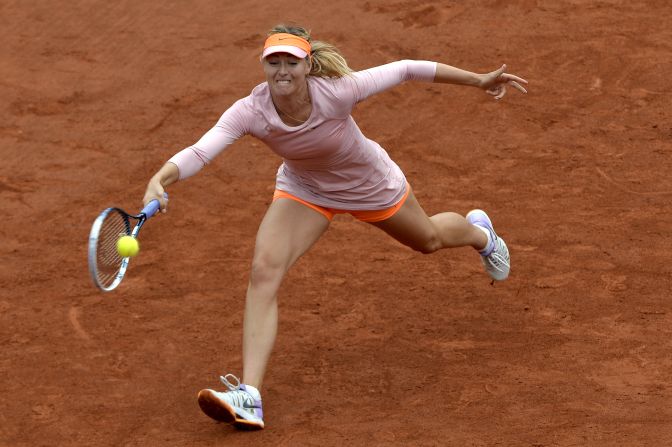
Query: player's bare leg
pixel 287 231
pixel 412 227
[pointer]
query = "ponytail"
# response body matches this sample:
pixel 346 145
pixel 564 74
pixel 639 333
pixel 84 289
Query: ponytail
pixel 328 62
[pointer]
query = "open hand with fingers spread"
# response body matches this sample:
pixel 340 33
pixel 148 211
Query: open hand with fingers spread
pixel 495 82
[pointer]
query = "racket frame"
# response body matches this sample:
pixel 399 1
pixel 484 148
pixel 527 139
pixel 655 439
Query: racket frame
pixel 150 210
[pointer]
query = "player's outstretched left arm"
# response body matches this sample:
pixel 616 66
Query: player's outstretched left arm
pixel 494 83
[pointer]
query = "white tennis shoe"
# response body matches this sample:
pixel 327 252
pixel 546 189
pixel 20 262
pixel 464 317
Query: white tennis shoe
pixel 495 255
pixel 240 405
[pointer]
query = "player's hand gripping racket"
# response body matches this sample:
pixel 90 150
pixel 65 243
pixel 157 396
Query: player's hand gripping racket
pixel 106 265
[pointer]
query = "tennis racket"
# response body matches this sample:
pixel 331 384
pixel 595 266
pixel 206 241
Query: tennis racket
pixel 106 266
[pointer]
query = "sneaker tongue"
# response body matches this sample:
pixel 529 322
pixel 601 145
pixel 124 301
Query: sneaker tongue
pixel 252 391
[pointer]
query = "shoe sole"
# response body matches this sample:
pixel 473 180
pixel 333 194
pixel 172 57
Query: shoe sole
pixel 220 411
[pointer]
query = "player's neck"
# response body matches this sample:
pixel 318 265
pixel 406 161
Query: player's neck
pixel 295 108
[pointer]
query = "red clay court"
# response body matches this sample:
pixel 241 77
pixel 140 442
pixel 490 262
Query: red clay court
pixel 377 345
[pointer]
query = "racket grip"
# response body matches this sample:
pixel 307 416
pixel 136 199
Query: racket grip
pixel 153 207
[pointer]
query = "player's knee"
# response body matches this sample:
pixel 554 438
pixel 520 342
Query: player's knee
pixel 266 268
pixel 428 245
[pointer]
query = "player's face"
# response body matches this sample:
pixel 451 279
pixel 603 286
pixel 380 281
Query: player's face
pixel 286 74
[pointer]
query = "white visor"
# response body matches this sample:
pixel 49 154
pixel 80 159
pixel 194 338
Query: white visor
pixel 294 51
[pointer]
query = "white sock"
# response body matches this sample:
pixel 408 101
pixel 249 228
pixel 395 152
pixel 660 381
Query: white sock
pixel 489 236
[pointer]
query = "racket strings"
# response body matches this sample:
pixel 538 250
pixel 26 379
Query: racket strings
pixel 108 259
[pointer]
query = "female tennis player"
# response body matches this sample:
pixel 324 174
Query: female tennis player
pixel 302 112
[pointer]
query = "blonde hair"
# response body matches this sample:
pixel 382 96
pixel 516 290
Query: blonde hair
pixel 327 61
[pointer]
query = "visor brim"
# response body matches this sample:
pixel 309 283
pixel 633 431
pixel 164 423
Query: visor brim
pixel 294 51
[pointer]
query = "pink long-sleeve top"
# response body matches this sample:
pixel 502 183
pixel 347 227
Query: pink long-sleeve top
pixel 326 160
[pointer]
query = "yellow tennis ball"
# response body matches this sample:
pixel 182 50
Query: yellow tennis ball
pixel 127 246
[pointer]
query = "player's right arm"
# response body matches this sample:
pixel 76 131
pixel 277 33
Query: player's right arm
pixel 167 175
pixel 232 125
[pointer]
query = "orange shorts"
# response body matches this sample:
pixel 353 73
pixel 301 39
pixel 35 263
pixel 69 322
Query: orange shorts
pixel 363 215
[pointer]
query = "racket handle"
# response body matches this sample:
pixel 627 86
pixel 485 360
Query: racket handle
pixel 153 207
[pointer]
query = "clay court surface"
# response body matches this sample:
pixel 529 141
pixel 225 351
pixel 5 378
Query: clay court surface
pixel 378 345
